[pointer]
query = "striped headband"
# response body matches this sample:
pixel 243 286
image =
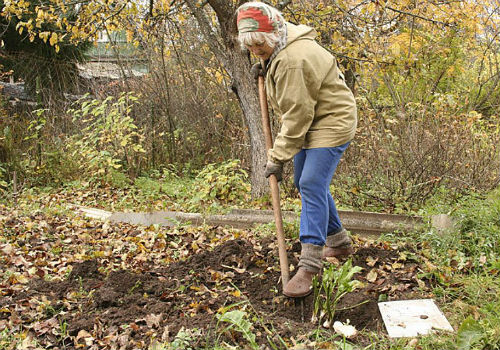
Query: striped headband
pixel 255 18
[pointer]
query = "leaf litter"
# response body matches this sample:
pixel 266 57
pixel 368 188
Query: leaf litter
pixel 71 282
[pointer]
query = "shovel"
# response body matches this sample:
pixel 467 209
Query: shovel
pixel 273 183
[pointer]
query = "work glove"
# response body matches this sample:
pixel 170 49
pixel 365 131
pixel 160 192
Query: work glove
pixel 257 71
pixel 274 168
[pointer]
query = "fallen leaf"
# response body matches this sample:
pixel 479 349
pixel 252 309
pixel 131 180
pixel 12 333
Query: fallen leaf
pixel 333 260
pixel 86 336
pixel 234 268
pixel 482 259
pixel 165 334
pixel 28 343
pixel 7 249
pixel 372 276
pixel 413 343
pixel 402 256
pixel 370 261
pixel 153 320
pixel 396 266
pixel 421 284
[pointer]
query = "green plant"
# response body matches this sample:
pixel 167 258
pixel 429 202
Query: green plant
pixel 334 285
pixel 37 124
pixel 469 334
pixel 109 139
pixel 137 285
pixel 3 183
pixel 225 182
pixel 290 228
pixel 63 332
pixel 184 338
pixel 148 186
pixel 6 339
pixel 118 179
pixel 238 321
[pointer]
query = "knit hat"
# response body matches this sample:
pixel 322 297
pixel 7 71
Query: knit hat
pixel 258 17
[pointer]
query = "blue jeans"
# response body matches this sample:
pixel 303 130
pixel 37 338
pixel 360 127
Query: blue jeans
pixel 313 172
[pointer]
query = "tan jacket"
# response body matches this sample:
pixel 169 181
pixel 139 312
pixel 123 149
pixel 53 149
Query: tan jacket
pixel 307 91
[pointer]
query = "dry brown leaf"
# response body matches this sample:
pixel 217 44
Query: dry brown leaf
pixel 7 249
pixel 333 260
pixel 86 336
pixel 396 266
pixel 153 320
pixel 372 276
pixel 165 334
pixel 370 261
pixel 234 268
pixel 482 259
pixel 413 343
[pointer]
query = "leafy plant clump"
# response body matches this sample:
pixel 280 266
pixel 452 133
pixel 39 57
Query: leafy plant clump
pixel 238 320
pixel 226 182
pixel 335 284
pixel 480 334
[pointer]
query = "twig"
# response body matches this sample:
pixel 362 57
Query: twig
pixel 411 37
pixel 418 16
pixel 353 306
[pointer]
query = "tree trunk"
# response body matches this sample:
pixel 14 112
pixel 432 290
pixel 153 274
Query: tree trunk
pixel 244 86
pixel 237 63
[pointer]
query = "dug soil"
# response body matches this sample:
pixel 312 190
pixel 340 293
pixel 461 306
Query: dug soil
pixel 126 310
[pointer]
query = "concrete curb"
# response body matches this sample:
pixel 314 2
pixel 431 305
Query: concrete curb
pixel 361 223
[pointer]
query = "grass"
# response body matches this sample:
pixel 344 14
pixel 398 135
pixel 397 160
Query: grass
pixel 464 262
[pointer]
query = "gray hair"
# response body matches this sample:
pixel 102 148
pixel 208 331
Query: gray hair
pixel 257 38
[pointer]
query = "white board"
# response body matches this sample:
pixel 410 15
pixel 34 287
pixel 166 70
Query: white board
pixel 410 318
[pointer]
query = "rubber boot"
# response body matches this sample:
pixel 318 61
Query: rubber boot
pixel 309 266
pixel 338 245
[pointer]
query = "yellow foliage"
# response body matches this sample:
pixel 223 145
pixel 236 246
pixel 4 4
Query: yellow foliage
pixel 53 39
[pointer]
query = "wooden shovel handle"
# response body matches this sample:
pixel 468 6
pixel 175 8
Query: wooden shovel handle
pixel 273 183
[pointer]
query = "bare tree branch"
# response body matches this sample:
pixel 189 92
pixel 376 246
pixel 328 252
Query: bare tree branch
pixel 418 16
pixel 205 25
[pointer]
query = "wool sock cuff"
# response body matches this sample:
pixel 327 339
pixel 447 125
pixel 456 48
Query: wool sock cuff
pixel 310 257
pixel 338 240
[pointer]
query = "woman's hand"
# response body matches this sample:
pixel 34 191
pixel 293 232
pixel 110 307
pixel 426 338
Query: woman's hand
pixel 257 71
pixel 274 168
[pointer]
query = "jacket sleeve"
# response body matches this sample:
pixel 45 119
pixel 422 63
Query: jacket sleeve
pixel 296 93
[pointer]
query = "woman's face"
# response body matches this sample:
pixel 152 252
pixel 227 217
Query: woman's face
pixel 261 50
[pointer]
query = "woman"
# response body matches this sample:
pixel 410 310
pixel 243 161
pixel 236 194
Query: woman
pixel 307 91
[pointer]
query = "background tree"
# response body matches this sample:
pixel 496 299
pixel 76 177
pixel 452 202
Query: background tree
pixel 426 75
pixel 46 61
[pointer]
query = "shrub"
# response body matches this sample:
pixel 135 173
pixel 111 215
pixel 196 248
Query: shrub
pixel 225 182
pixel 399 160
pixel 109 139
